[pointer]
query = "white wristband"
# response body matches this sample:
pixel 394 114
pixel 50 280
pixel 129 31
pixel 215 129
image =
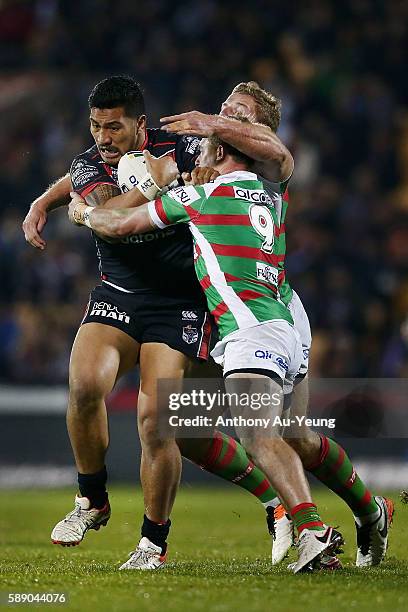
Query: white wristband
pixel 148 187
pixel 86 214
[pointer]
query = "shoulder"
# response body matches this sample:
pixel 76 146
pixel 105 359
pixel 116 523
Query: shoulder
pixel 88 161
pixel 88 170
pixel 91 155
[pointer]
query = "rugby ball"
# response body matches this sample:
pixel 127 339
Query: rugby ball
pixel 131 169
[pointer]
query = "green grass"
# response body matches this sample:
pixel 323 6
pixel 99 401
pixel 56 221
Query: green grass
pixel 219 558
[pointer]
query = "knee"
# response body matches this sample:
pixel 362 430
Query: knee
pixel 85 393
pixel 305 446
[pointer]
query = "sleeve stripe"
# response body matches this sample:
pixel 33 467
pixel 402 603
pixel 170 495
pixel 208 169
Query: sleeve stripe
pixel 157 214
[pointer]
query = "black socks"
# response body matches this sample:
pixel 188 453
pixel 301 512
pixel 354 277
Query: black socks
pixel 156 532
pixel 93 486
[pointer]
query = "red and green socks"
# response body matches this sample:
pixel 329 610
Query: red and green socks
pixel 227 459
pixel 335 470
pixel 306 516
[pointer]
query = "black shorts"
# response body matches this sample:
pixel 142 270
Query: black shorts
pixel 185 327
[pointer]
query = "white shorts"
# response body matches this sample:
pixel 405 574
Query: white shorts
pixel 302 326
pixel 273 346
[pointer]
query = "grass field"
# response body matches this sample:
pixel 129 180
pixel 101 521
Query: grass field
pixel 219 558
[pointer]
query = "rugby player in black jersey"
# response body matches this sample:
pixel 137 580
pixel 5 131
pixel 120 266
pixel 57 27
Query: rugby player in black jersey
pixel 114 338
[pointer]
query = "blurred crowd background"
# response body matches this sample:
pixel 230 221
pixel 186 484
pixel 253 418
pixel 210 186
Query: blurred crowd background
pixel 339 68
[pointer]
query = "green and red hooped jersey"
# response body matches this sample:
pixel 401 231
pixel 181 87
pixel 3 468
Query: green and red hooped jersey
pixel 279 194
pixel 239 247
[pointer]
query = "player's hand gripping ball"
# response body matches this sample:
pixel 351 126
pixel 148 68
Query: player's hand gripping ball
pixel 151 175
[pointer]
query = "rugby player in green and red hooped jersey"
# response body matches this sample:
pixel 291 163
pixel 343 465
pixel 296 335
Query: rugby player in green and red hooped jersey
pixel 237 251
pixel 320 455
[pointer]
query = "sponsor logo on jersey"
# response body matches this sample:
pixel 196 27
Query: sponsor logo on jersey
pixel 109 311
pixel 143 238
pixel 83 172
pixel 189 315
pixel 192 144
pixel 306 352
pixel 190 334
pixel 266 273
pixel 259 196
pixel 184 195
pixel 268 355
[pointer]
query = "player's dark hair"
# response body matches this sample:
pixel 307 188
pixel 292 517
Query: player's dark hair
pixel 118 91
pixel 229 149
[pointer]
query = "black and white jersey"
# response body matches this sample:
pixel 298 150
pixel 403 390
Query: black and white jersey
pixel 161 261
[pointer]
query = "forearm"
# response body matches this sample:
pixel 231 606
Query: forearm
pixel 112 223
pixel 130 199
pixel 55 196
pixel 260 143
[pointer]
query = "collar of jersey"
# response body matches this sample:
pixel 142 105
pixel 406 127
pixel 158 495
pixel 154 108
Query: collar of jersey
pixel 236 175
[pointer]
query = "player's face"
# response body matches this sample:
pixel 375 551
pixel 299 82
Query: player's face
pixel 115 134
pixel 208 154
pixel 238 103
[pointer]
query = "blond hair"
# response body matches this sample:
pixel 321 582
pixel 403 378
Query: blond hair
pixel 269 106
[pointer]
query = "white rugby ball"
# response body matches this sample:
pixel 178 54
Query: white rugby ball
pixel 131 168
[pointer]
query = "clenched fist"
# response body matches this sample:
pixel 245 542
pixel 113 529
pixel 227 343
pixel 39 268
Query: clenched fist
pixel 200 176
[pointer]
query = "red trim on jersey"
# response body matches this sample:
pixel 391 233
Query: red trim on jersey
pixel 223 191
pixel 249 294
pixel 248 252
pixel 219 310
pixel 158 204
pixel 230 278
pixel 91 187
pixel 279 229
pixel 146 140
pixel 224 220
pixel 108 169
pixel 205 282
pixel 162 144
pixel 205 340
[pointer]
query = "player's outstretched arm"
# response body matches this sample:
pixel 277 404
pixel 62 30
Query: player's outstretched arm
pixel 113 223
pixel 274 161
pixel 55 196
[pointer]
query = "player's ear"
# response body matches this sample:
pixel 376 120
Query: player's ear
pixel 219 155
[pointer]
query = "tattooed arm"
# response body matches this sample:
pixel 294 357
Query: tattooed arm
pixel 109 197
